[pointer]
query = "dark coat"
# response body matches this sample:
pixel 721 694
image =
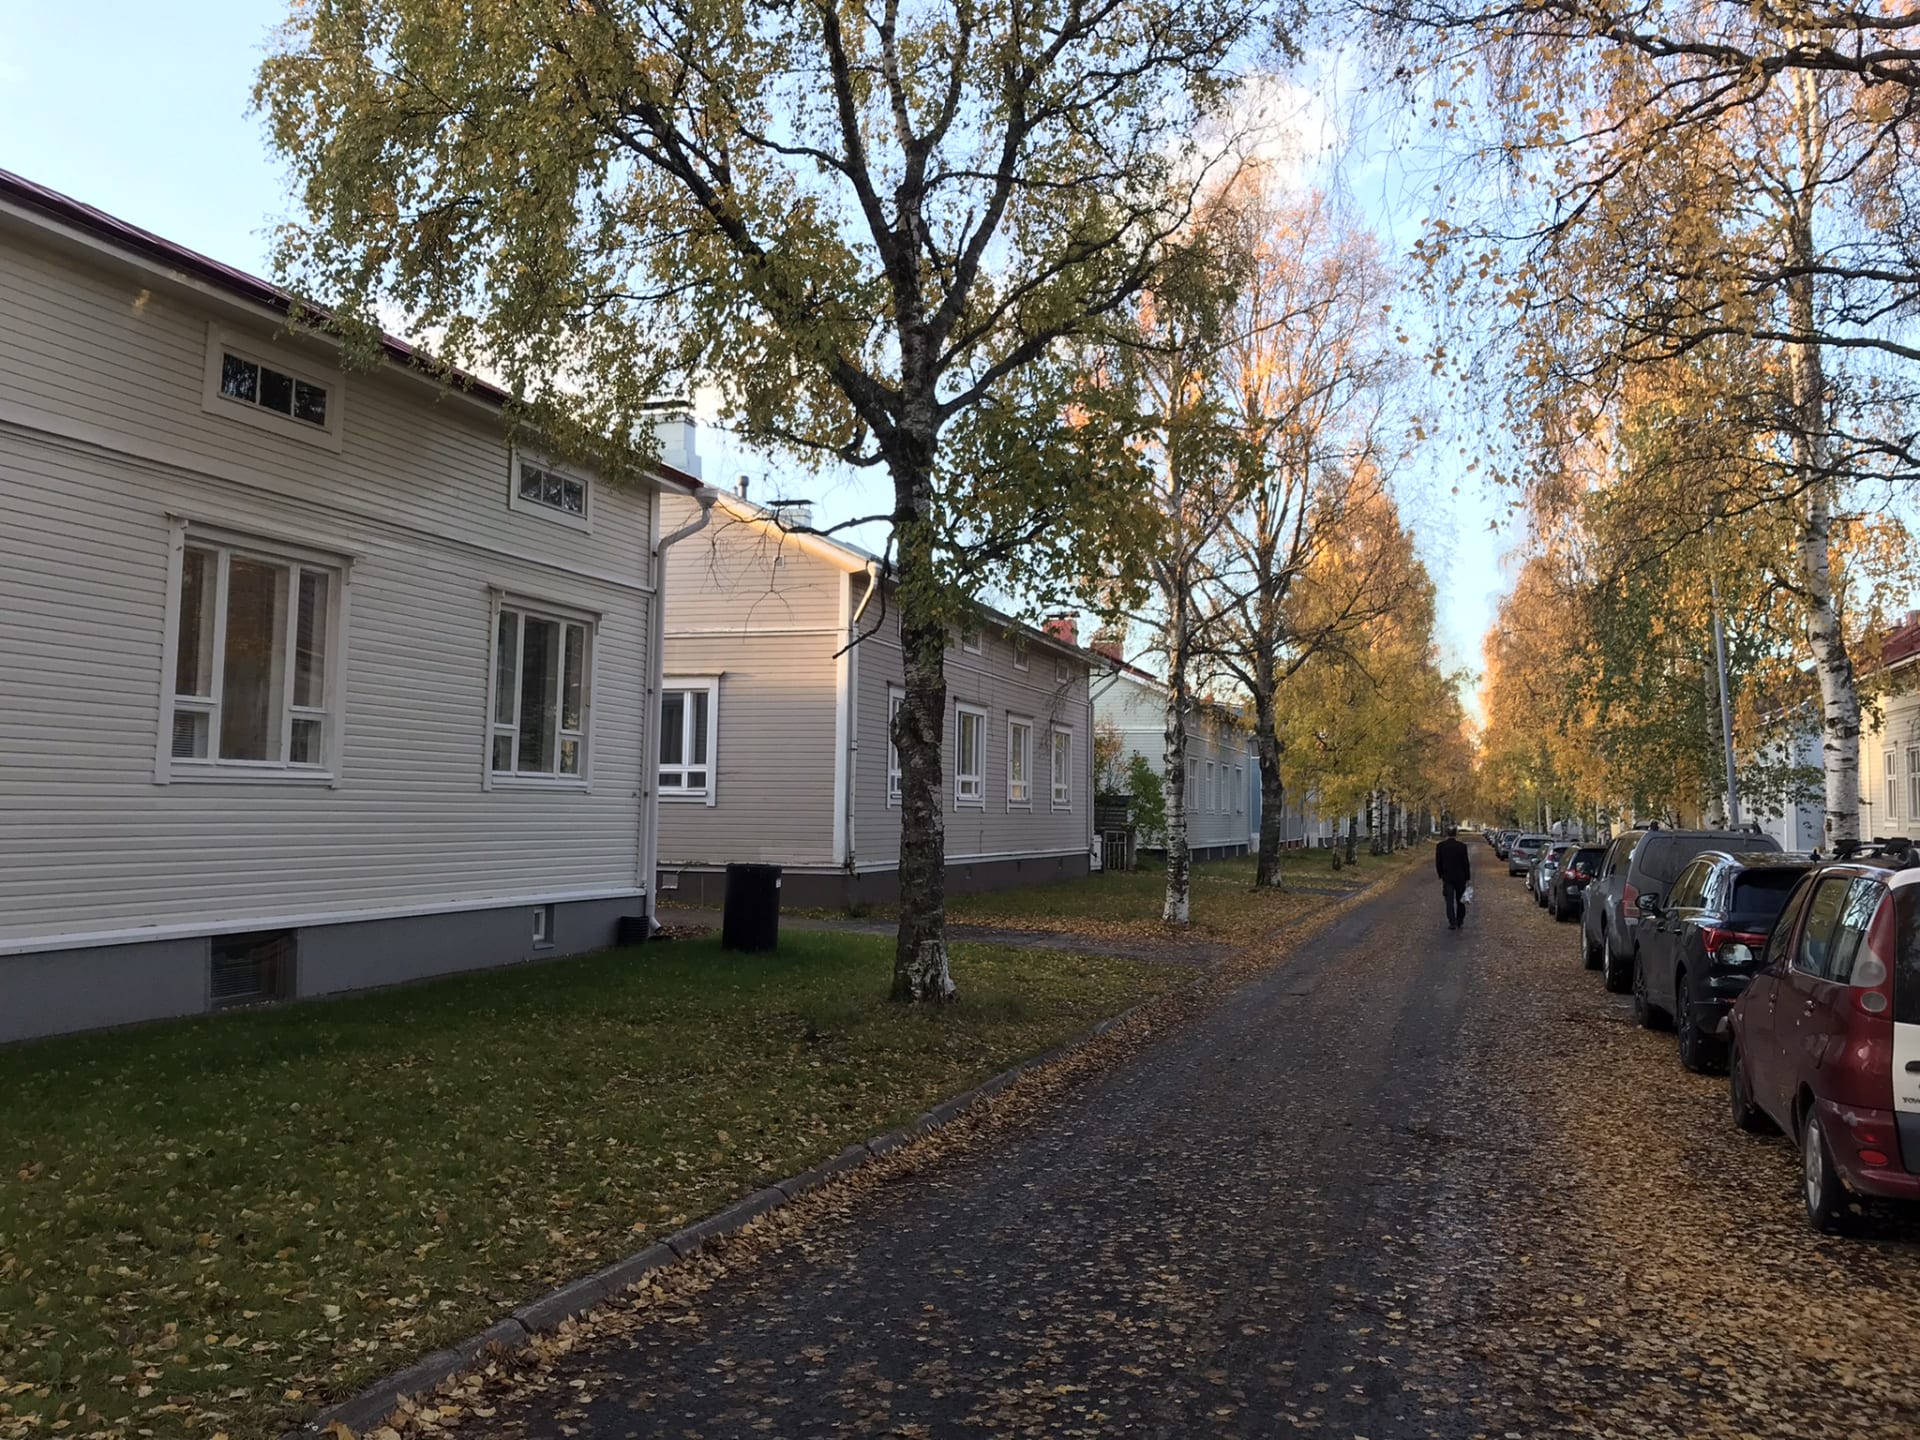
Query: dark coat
pixel 1451 861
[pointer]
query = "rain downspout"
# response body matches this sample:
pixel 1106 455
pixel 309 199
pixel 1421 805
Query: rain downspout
pixel 853 707
pixel 705 497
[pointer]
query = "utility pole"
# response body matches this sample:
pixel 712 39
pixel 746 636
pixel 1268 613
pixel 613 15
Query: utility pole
pixel 1720 664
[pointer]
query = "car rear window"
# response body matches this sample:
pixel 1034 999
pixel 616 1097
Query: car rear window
pixel 1665 856
pixel 1763 893
pixel 1906 973
pixel 1588 858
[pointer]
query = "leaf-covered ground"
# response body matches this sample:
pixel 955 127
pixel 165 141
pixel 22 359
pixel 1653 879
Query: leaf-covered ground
pixel 217 1225
pixel 1401 1183
pixel 1127 904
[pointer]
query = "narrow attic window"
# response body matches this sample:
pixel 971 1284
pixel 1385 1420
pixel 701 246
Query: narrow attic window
pixel 537 489
pixel 251 383
pixel 555 491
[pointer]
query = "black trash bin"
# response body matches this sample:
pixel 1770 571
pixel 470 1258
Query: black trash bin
pixel 750 919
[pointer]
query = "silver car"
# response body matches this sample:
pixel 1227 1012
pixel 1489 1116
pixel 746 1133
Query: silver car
pixel 1524 851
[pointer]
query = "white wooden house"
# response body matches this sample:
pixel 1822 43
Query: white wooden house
pixel 1223 775
pixel 309 681
pixel 782 669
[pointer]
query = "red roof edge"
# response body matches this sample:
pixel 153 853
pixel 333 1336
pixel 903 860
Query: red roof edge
pixel 127 236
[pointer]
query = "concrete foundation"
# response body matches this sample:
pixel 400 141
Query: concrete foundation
pixel 59 991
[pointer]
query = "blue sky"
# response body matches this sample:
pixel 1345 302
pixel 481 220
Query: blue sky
pixel 142 110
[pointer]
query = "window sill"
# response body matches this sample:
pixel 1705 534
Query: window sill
pixel 1063 807
pixel 1021 805
pixel 685 797
pixel 960 804
pixel 185 772
pixel 538 782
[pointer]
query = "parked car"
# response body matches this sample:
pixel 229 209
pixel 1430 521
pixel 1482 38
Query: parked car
pixel 1524 850
pixel 1544 869
pixel 1699 947
pixel 1651 865
pixel 1826 1038
pixel 1577 867
pixel 1501 840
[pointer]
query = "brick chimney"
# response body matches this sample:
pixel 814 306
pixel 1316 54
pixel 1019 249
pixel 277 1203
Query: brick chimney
pixel 1063 627
pixel 1109 644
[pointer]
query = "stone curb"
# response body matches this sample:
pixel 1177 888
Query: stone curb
pixel 371 1407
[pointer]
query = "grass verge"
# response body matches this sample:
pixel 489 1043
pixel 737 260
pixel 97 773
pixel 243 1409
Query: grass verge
pixel 221 1225
pixel 1224 904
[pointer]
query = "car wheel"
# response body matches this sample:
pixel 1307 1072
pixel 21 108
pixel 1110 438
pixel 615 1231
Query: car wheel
pixel 1645 1011
pixel 1589 951
pixel 1696 1046
pixel 1616 974
pixel 1821 1186
pixel 1747 1116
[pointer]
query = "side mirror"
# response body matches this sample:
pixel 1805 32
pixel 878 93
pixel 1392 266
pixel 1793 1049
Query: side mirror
pixel 1650 906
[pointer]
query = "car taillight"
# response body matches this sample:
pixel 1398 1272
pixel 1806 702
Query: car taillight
pixel 1629 899
pixel 1872 978
pixel 1721 944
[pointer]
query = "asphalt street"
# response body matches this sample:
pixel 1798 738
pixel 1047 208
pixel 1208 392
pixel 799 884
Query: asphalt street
pixel 1398 1184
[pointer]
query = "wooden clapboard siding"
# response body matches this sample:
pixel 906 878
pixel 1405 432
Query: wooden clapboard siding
pixel 103 434
pixel 1137 709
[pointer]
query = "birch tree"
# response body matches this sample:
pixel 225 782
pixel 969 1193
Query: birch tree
pixel 877 233
pixel 1308 373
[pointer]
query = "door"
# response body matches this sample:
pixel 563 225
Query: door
pixel 1760 1006
pixel 1906 1030
pixel 1662 942
pixel 1800 1032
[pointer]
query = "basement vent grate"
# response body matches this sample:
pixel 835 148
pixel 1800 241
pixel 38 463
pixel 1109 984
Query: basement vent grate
pixel 251 968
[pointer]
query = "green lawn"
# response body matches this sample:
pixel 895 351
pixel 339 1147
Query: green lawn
pixel 220 1224
pixel 1221 896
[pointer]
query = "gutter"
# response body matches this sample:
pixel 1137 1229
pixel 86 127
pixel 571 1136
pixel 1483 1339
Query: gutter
pixel 852 719
pixel 649 865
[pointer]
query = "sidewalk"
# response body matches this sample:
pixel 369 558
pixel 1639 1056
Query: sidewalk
pixel 1066 942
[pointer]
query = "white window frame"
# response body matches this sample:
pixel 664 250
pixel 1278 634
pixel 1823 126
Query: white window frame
pixel 1021 660
pixel 1913 784
pixel 540 509
pixel 965 798
pixel 1211 790
pixel 1062 775
pixel 896 697
pixel 1190 797
pixel 1062 672
pixel 222 342
pixel 1023 800
pixel 530 606
pixel 184 534
pixel 686 795
pixel 970 643
pixel 1892 775
pixel 1239 789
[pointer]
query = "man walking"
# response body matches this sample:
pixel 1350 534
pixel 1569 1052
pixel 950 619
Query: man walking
pixel 1455 868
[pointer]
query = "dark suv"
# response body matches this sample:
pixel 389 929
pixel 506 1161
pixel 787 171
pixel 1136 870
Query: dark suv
pixel 1570 881
pixel 1652 861
pixel 1699 947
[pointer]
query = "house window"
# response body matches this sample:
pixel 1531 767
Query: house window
pixel 253 671
pixel 1192 796
pixel 896 697
pixel 1209 794
pixel 1913 784
pixel 540 490
pixel 248 382
pixel 541 681
pixel 689 716
pixel 1893 784
pixel 542 926
pixel 1019 762
pixel 969 767
pixel 1062 672
pixel 970 639
pixel 1062 770
pixel 1020 661
pixel 1239 790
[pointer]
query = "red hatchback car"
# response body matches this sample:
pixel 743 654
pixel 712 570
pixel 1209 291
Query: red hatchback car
pixel 1826 1039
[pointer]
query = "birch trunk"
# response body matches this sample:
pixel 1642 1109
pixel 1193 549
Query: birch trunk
pixel 1273 794
pixel 1826 639
pixel 1177 910
pixel 920 973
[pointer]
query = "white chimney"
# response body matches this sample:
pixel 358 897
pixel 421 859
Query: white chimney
pixel 675 432
pixel 793 514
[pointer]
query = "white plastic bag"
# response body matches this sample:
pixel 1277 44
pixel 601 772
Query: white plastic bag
pixel 1466 896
